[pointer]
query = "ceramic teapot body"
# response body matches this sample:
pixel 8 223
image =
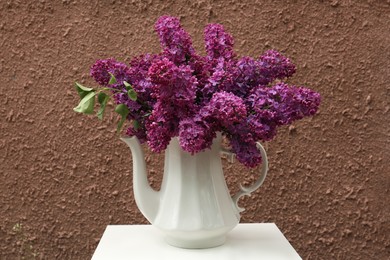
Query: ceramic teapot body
pixel 193 207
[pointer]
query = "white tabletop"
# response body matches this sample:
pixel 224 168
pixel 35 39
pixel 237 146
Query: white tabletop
pixel 246 241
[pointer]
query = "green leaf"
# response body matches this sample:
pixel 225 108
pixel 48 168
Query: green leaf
pixel 86 104
pixel 136 125
pixel 120 124
pixel 127 85
pixel 132 94
pixel 78 85
pixel 130 91
pixel 103 99
pixel 147 114
pixel 122 110
pixel 112 79
pixel 83 91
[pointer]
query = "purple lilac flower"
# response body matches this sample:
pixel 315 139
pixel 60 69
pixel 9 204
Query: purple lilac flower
pixel 138 73
pixel 123 98
pixel 175 91
pixel 175 41
pixel 262 126
pixel 174 86
pixel 296 103
pixel 226 108
pixel 220 56
pixel 180 93
pixel 140 133
pixel 195 135
pixel 101 69
pixel 158 135
pixel 273 66
pixel 247 76
pixel 287 103
pixel 218 43
pixel 161 126
pixel 222 78
pixel 246 152
pixel 201 71
pixel 214 81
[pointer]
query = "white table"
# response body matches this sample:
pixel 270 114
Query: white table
pixel 246 241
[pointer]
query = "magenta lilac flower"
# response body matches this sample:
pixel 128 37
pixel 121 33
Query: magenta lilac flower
pixel 183 94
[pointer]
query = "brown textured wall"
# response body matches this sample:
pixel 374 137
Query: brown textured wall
pixel 65 176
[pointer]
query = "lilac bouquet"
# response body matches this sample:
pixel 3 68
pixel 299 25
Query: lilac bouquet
pixel 181 93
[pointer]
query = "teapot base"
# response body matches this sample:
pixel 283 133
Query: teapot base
pixel 196 244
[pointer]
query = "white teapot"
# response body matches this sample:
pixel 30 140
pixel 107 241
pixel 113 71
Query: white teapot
pixel 193 207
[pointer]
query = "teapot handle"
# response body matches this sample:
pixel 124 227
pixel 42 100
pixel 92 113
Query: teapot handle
pixel 263 173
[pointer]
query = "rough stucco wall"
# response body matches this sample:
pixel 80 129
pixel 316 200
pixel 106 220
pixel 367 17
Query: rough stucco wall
pixel 65 176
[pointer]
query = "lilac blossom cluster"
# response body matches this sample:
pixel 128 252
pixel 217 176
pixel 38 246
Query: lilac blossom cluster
pixel 180 93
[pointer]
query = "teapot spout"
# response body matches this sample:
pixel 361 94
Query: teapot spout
pixel 146 198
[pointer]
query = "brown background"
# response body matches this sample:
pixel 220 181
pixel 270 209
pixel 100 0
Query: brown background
pixel 65 176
